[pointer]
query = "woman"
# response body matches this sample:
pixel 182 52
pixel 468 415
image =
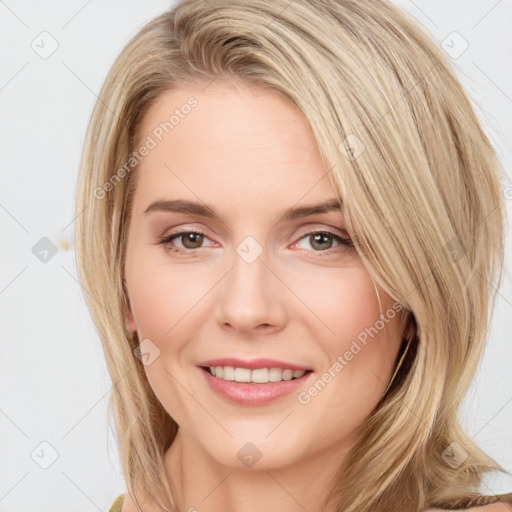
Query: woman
pixel 255 368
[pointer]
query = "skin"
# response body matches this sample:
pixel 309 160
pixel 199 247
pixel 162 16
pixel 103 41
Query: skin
pixel 250 153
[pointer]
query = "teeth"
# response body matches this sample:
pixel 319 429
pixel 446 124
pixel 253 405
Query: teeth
pixel 259 375
pixel 242 375
pixel 228 373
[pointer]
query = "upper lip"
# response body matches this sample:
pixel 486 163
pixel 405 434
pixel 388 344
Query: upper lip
pixel 253 364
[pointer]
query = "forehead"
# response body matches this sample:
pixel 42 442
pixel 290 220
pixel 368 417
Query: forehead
pixel 230 138
pixel 230 116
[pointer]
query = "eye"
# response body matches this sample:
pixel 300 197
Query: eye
pixel 322 241
pixel 190 240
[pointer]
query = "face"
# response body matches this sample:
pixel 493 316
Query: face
pixel 220 273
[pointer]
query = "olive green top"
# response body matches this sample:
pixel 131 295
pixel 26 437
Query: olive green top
pixel 479 501
pixel 117 505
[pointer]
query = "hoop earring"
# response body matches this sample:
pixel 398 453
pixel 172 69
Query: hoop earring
pixel 399 363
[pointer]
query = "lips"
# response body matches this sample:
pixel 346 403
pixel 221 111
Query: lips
pixel 251 393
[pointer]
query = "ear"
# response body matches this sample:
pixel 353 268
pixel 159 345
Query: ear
pixel 130 321
pixel 128 315
pixel 410 326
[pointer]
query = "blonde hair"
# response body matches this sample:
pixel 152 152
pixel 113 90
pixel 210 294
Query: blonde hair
pixel 420 186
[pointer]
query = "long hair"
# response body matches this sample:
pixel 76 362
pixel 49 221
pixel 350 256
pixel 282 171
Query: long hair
pixel 420 186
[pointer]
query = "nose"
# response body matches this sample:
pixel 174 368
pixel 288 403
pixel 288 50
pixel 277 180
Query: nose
pixel 251 297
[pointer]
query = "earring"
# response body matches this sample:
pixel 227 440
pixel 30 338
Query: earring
pixel 399 363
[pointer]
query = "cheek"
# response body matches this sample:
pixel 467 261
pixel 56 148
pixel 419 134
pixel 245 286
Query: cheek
pixel 354 330
pixel 358 356
pixel 161 299
pixel 342 304
pixel 162 303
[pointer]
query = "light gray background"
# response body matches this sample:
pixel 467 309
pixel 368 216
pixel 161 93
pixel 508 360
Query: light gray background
pixel 54 384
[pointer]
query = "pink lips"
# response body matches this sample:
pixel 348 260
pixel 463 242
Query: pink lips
pixel 249 393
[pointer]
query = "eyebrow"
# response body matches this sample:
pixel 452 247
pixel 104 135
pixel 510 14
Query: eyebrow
pixel 209 212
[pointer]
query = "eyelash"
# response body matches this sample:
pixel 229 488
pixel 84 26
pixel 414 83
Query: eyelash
pixel 166 241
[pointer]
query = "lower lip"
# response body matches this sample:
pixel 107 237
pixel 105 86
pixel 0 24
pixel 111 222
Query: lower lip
pixel 252 394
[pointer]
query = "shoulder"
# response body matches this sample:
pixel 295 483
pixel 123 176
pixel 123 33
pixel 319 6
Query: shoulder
pixel 117 506
pixel 496 503
pixel 125 503
pixel 493 507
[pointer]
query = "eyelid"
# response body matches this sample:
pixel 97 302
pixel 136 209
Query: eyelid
pixel 337 231
pixel 344 240
pixel 303 231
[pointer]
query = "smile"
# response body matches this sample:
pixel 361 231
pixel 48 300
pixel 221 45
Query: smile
pixel 257 387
